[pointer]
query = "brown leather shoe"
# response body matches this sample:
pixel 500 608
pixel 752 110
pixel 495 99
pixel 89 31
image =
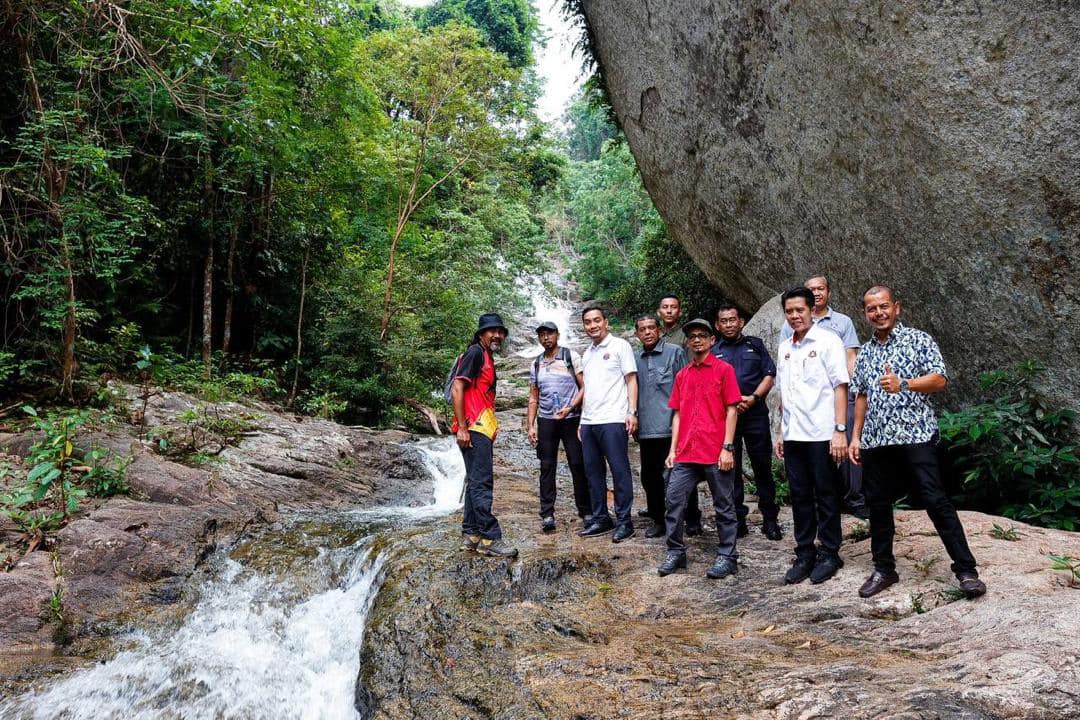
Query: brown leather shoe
pixel 877 582
pixel 972 586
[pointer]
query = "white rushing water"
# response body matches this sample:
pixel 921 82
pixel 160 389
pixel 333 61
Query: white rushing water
pixel 256 645
pixel 546 307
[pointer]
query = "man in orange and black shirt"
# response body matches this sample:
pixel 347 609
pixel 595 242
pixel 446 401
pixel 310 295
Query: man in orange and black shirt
pixel 473 398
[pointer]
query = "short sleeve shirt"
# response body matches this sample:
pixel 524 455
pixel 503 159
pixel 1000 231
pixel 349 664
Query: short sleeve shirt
pixel 605 366
pixel 752 364
pixel 477 368
pixel 833 320
pixel 702 394
pixel 808 373
pixel 906 417
pixel 656 371
pixel 555 382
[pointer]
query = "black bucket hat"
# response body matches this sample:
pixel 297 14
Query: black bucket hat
pixel 490 320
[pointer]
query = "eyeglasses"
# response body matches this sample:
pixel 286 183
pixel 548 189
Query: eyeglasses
pixel 698 336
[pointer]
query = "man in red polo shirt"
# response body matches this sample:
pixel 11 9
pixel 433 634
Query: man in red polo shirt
pixel 704 399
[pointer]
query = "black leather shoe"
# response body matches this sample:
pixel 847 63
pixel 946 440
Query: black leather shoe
pixel 643 513
pixel 693 530
pixel 825 566
pixel 742 530
pixel 877 582
pixel 672 562
pixel 771 530
pixel 799 571
pixel 655 531
pixel 622 533
pixel 601 527
pixel 723 567
pixel 972 586
pixel 548 524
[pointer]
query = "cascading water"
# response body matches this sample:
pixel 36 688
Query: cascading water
pixel 546 307
pixel 275 637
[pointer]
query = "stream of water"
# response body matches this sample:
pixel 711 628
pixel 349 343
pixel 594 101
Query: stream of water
pixel 276 630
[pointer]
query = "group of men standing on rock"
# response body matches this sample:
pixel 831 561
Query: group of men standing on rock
pixel 693 397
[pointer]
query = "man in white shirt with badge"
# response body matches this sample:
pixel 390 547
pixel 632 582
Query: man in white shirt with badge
pixel 812 375
pixel 608 417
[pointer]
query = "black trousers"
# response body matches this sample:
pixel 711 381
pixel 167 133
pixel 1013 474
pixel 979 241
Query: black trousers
pixel 892 471
pixel 815 497
pixel 682 485
pixel 479 488
pixel 549 434
pixel 653 453
pixel 851 475
pixel 753 431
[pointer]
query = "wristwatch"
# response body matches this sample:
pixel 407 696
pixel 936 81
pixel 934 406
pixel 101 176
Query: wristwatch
pixel 904 385
pixel 729 447
pixel 840 427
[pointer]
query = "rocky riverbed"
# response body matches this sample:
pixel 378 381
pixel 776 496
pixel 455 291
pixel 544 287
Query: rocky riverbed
pixel 575 628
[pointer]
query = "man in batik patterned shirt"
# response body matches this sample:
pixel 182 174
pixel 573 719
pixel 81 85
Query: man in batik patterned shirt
pixel 895 436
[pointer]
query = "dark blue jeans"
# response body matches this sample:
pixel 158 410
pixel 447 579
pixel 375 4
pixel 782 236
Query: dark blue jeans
pixel 815 497
pixel 479 486
pixel 890 472
pixel 606 446
pixel 753 430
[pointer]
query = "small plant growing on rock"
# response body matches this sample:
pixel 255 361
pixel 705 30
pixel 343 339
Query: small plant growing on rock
pixel 951 593
pixel 1070 565
pixel 925 567
pixel 917 603
pixel 1000 533
pixel 859 532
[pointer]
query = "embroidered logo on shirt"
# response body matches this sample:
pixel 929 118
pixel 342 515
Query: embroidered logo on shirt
pixel 813 353
pixel 607 356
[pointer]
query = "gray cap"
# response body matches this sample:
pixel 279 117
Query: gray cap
pixel 698 322
pixel 547 325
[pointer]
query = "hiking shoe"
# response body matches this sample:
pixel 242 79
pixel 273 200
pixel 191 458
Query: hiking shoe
pixel 598 528
pixel 672 562
pixel 623 532
pixel 496 548
pixel 469 543
pixel 549 524
pixel 971 585
pixel 799 571
pixel 877 582
pixel 723 567
pixel 825 566
pixel 771 530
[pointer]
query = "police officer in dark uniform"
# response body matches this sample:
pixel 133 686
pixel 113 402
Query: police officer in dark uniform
pixel 756 372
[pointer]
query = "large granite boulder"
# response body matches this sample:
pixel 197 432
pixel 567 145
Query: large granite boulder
pixel 933 146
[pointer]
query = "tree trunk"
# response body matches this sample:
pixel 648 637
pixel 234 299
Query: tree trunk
pixel 299 329
pixel 192 276
pixel 208 306
pixel 230 263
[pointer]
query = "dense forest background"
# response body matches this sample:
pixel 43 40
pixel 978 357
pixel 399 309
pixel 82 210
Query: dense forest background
pixel 307 200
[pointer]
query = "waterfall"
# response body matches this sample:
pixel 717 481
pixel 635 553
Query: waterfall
pixel 257 644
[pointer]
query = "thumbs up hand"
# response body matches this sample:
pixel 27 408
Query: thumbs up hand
pixel 889 382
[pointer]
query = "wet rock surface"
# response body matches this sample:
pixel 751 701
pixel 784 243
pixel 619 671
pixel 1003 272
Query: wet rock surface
pixel 123 559
pixel 931 146
pixel 583 628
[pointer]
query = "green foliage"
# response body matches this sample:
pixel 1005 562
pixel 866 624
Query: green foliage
pixel 918 602
pixel 860 532
pixel 1068 564
pixel 1017 452
pixel 926 566
pixel 204 434
pixel 509 27
pixel 1000 533
pixel 783 490
pixel 588 127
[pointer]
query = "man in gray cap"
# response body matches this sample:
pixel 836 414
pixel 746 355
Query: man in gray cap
pixel 473 398
pixel 554 415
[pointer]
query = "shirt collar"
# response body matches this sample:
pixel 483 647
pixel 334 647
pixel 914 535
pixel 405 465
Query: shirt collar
pixel 658 349
pixel 602 344
pixel 737 341
pixel 897 332
pixel 709 360
pixel 816 319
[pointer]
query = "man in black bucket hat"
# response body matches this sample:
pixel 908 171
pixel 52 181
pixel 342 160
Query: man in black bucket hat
pixel 473 398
